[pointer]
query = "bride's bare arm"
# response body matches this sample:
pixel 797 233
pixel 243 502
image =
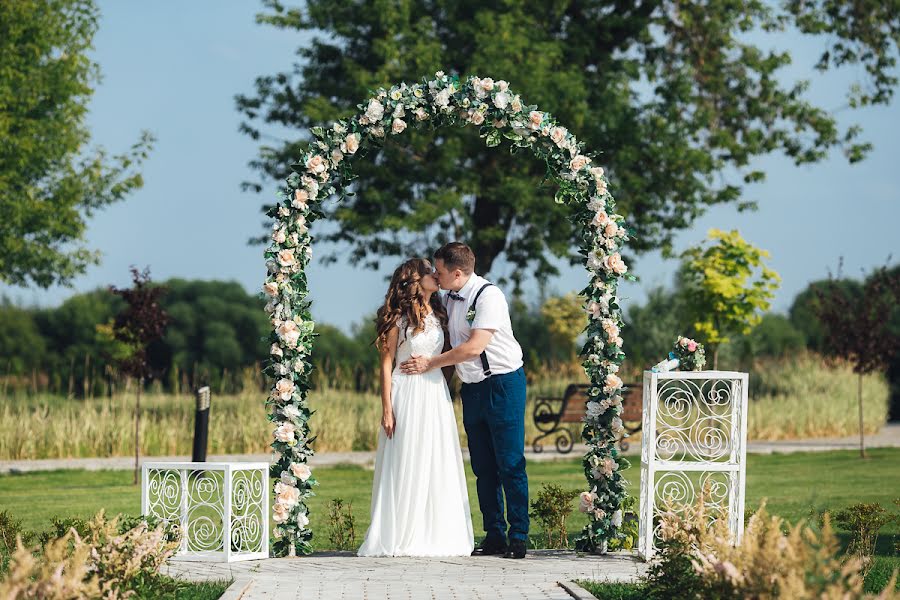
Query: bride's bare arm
pixel 388 352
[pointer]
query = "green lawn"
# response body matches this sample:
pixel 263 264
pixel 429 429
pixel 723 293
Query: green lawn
pixel 795 485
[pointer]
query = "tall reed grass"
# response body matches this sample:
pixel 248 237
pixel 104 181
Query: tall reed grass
pixel 799 398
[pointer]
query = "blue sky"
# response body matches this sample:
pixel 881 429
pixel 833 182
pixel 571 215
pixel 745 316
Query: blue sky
pixel 174 68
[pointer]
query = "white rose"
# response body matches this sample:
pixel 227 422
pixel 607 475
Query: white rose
pixel 336 156
pixel 285 433
pixel 617 518
pixel 617 426
pixel 398 125
pixel 421 115
pixel 291 412
pixel 375 110
pixel 593 410
pixel 396 95
pixel 275 350
pixel 302 520
pixel 442 99
pixel 501 100
pixel 301 471
pixel 502 85
pixel 299 366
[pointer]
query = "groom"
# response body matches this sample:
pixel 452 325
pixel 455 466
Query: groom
pixel 488 360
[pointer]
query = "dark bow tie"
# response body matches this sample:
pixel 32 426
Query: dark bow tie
pixel 454 296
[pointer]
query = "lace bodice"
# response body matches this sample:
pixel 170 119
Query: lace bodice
pixel 428 342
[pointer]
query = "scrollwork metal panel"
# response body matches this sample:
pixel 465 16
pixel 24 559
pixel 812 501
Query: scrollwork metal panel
pixel 221 508
pixel 695 434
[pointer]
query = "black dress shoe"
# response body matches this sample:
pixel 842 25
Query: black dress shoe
pixel 490 547
pixel 516 549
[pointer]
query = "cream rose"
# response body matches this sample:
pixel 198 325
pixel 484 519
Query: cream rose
pixel 611 229
pixel 271 288
pixel 375 110
pixel 286 258
pixel 315 164
pixel 336 156
pixel 477 118
pixel 534 119
pixel 594 309
pixel 278 236
pixel 350 144
pixel 289 332
pixel 557 135
pixel 600 219
pixel 275 350
pixel 397 126
pixel 516 103
pixel 284 389
pixel 578 162
pixel 287 495
pixel 301 471
pixel 280 513
pixel 442 99
pixel 300 222
pixel 615 264
pixel 420 113
pixel 285 433
pixel 587 501
pixel 377 131
pixel 612 381
pixel 301 197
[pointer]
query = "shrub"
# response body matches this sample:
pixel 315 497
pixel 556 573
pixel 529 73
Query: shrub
pixel 551 508
pixel 863 521
pixel 341 532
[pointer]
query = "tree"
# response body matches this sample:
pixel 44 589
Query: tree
pixel 50 183
pixel 726 287
pixel 652 328
pixel 804 310
pixel 673 93
pixel 858 328
pixel 564 317
pixel 142 322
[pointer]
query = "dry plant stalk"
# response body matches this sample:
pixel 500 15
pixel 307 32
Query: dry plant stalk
pixel 773 560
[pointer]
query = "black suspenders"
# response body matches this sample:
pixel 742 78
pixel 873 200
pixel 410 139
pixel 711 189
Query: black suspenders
pixel 484 360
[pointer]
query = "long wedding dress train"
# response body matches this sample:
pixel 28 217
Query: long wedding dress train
pixel 420 505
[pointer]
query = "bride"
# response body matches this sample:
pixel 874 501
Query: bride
pixel 420 505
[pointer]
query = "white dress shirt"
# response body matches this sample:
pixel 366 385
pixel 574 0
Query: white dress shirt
pixel 492 312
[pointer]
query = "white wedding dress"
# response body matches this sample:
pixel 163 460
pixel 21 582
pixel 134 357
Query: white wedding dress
pixel 420 506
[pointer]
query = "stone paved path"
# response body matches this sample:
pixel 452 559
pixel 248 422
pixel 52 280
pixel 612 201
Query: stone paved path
pixel 888 437
pixel 338 576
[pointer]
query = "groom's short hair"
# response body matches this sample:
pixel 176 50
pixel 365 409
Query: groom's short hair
pixel 457 255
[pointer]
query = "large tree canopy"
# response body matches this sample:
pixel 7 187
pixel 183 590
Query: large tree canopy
pixel 50 183
pixel 673 93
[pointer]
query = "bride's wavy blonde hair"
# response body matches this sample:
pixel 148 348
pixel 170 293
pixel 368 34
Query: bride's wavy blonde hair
pixel 404 299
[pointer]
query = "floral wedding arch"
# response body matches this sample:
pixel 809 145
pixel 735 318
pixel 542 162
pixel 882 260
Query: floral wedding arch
pixel 324 170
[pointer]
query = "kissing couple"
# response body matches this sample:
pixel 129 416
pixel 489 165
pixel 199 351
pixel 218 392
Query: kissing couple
pixel 420 503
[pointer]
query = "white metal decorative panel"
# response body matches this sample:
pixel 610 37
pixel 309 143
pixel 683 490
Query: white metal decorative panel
pixel 221 508
pixel 694 437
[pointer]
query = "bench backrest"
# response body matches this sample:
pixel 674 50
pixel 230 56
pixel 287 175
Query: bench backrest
pixel 576 397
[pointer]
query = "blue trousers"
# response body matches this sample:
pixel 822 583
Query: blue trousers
pixel 494 419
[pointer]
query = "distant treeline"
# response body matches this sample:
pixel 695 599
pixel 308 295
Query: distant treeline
pixel 217 337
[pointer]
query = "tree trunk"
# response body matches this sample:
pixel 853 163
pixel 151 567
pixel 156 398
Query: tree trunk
pixel 862 445
pixel 137 430
pixel 716 357
pixel 486 215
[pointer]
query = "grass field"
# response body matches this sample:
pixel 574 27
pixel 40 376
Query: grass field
pixel 795 485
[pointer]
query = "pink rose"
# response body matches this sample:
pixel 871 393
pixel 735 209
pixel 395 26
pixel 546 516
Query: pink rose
pixel 611 229
pixel 284 389
pixel 613 382
pixel 578 162
pixel 280 513
pixel 286 494
pixel 271 288
pixel 286 258
pixel 301 197
pixel 301 471
pixel 601 219
pixel 534 119
pixel 289 332
pixel 558 135
pixel 692 345
pixel 615 264
pixel 285 433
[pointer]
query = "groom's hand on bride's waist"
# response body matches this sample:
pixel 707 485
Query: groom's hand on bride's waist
pixel 415 365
